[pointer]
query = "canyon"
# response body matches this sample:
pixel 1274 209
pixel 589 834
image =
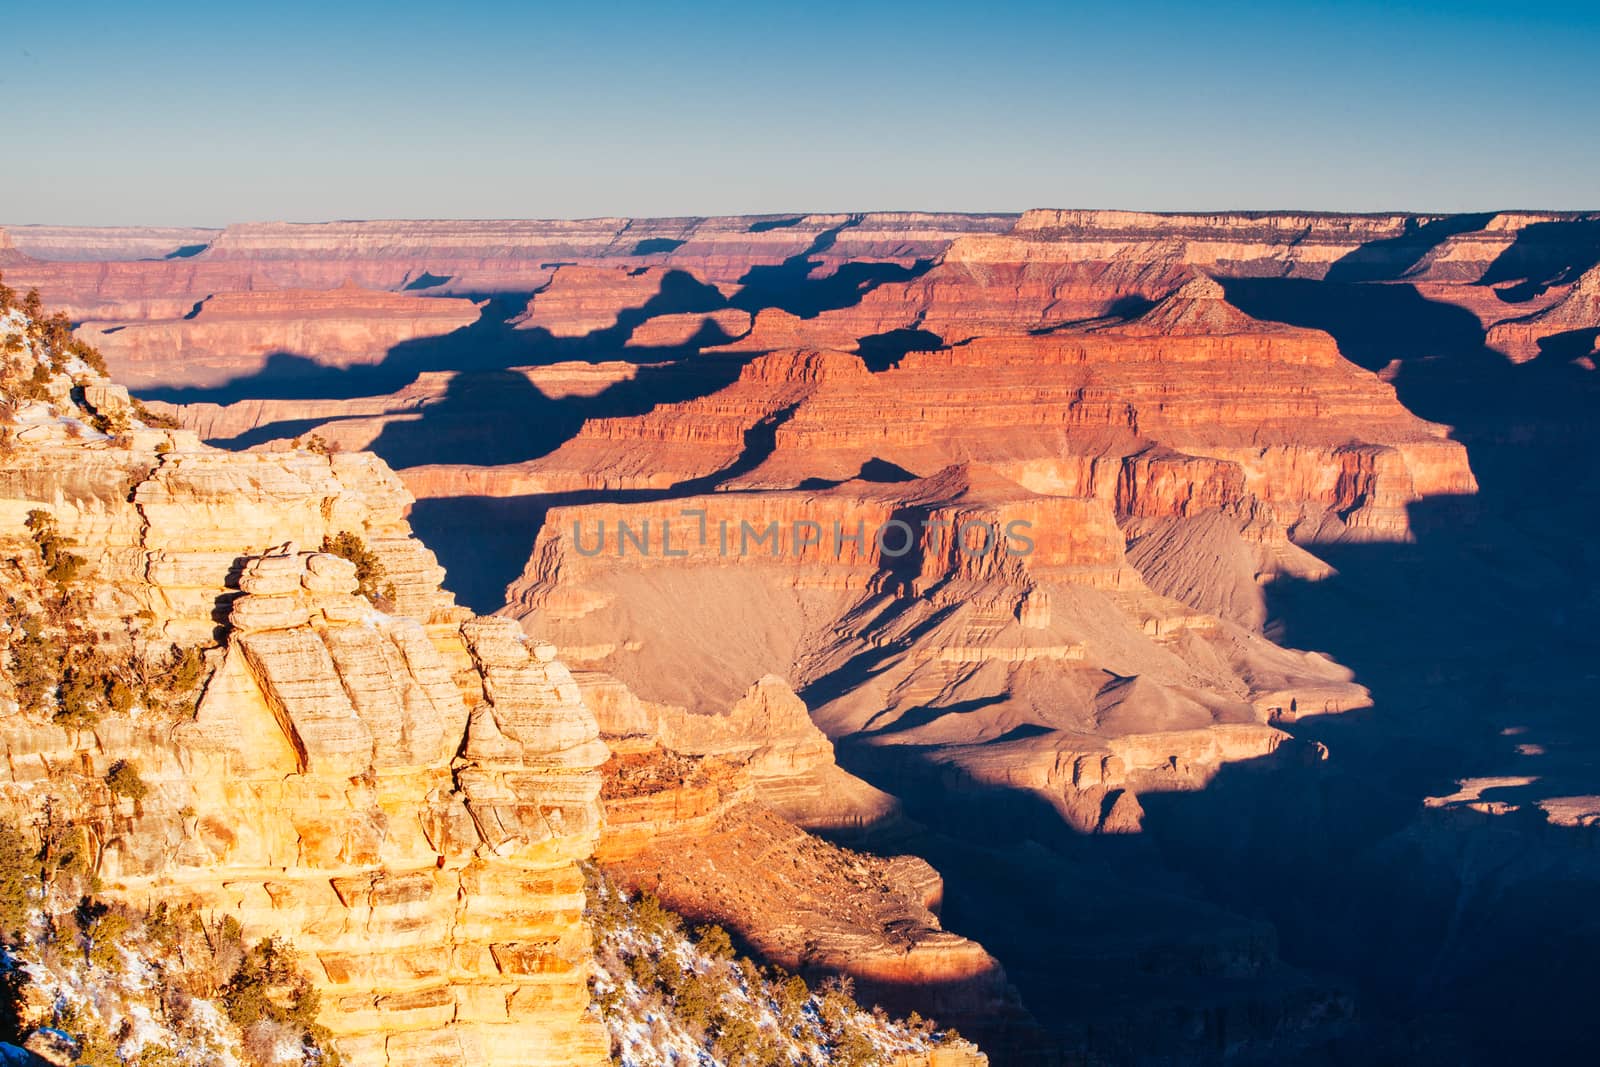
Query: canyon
pixel 1264 742
pixel 408 794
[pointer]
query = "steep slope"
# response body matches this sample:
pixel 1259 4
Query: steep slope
pixel 667 998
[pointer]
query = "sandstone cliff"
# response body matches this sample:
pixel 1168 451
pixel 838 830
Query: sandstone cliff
pixel 402 793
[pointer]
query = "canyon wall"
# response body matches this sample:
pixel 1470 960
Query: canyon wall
pixel 235 335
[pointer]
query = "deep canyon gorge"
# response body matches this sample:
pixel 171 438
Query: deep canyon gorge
pixel 678 560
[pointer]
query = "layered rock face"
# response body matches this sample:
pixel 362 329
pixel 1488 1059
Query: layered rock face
pixel 234 335
pixel 435 258
pixel 1569 327
pixel 1270 420
pixel 97 243
pixel 403 794
pixel 438 895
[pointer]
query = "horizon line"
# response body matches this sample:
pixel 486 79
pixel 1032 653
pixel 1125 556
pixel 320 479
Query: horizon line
pixel 962 213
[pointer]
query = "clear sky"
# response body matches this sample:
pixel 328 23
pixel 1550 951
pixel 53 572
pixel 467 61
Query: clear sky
pixel 183 113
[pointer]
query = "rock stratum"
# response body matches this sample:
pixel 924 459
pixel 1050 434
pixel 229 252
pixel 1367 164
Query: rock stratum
pixel 1279 480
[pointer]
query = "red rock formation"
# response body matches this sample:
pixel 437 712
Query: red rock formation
pixel 469 256
pixel 671 330
pixel 231 335
pixel 1083 372
pixel 582 300
pixel 814 908
pixel 404 794
pixel 704 810
pixel 1575 313
pixel 8 250
pixel 784 571
pixel 1263 411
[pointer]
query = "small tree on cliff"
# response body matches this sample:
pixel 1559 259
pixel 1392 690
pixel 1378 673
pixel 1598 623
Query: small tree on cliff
pixel 369 571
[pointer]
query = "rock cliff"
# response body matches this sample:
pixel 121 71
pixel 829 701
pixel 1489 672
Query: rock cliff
pixel 401 791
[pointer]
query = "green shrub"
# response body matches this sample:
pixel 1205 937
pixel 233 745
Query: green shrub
pixel 837 1003
pixel 90 355
pixel 369 571
pixel 123 780
pixel 63 854
pixel 854 1049
pixel 114 424
pixel 701 991
pixel 80 698
pixel 159 1056
pixel 695 996
pixel 35 663
pixel 714 941
pixel 88 687
pixel 792 995
pixel 652 919
pixel 642 969
pixel 188 667
pixel 101 928
pixel 268 987
pixel 120 696
pixel 18 866
pixel 37 385
pixel 61 566
pixel 738 1040
pixel 88 947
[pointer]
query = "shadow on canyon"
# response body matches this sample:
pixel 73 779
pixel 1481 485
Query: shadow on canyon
pixel 1545 254
pixel 791 287
pixel 490 414
pixel 485 542
pixel 1245 913
pixel 1298 909
pixel 495 341
pixel 1390 259
pixel 499 340
pixel 1290 888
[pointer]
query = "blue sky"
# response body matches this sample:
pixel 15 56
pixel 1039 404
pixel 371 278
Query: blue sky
pixel 202 114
